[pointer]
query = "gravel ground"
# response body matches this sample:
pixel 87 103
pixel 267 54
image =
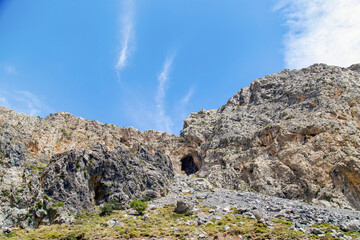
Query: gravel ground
pixel 253 205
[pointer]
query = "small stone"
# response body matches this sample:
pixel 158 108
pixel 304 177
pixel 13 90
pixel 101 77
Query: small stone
pixel 316 231
pixel 331 231
pixel 6 230
pixel 227 227
pixel 248 215
pixel 201 195
pixel 145 217
pixel 202 235
pixel 152 207
pixel 114 222
pixel 186 190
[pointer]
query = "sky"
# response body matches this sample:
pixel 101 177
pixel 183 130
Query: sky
pixel 149 64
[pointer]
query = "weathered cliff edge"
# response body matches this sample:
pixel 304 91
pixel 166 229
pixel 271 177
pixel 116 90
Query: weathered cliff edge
pixel 293 134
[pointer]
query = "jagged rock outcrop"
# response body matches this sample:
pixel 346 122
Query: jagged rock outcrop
pixel 86 178
pixel 75 181
pixel 293 134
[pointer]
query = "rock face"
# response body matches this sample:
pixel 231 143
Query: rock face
pixel 84 178
pixel 76 181
pixel 61 132
pixel 293 134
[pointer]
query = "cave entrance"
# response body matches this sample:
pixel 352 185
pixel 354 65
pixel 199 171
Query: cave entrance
pixel 188 165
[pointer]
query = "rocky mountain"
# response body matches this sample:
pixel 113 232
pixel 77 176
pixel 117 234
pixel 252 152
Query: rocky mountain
pixel 293 134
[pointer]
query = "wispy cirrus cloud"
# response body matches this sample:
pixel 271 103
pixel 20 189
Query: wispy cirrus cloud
pixel 161 112
pixel 184 102
pixel 187 97
pixel 126 34
pixel 23 101
pixel 322 31
pixel 164 122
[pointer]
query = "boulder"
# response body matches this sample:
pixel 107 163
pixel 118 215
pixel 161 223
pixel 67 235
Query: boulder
pixel 184 207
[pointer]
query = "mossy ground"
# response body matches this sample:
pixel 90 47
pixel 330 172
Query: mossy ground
pixel 162 223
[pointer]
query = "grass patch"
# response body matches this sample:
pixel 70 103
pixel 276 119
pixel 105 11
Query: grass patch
pixel 161 224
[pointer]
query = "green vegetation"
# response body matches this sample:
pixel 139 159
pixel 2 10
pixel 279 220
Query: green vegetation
pixel 39 167
pixel 110 206
pixel 38 205
pixel 29 185
pixel 139 206
pixel 5 193
pixel 2 156
pixel 222 108
pixel 59 204
pixel 182 139
pixel 161 223
pixel 66 134
pixel 326 227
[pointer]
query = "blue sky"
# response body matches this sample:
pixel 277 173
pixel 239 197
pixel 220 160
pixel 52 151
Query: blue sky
pixel 149 64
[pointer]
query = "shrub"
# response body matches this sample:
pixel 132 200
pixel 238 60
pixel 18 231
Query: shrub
pixel 182 139
pixel 38 205
pixel 59 204
pixel 139 206
pixel 116 205
pixel 110 206
pixel 222 108
pixel 66 134
pixel 106 209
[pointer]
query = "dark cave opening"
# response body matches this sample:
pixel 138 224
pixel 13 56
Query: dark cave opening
pixel 98 188
pixel 188 165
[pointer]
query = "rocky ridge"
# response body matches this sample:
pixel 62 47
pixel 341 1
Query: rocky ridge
pixel 293 134
pixel 61 132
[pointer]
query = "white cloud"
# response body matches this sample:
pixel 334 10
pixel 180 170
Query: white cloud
pixel 183 104
pixel 164 122
pixel 126 33
pixel 321 31
pixel 23 101
pixel 184 101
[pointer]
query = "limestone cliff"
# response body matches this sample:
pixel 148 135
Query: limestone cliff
pixel 293 134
